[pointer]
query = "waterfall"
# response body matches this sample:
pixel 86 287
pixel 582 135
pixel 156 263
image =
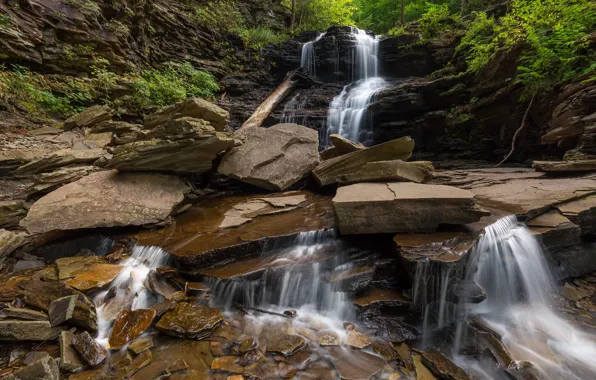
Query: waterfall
pixel 347 114
pixel 509 264
pixel 307 58
pixel 291 112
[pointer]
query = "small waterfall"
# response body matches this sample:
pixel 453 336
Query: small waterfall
pixel 509 264
pixel 308 57
pixel 292 110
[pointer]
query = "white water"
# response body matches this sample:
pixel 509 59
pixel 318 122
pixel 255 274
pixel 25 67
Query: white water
pixel 347 113
pixel 292 111
pixel 308 57
pixel 509 264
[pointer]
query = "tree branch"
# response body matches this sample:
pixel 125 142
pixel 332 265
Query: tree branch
pixel 523 124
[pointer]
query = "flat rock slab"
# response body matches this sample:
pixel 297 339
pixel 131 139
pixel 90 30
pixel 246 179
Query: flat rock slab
pixel 9 241
pixel 95 278
pixel 195 108
pixel 202 236
pixel 69 267
pixel 385 171
pixel 89 349
pixel 565 166
pixel 70 360
pixel 354 364
pixel 23 314
pixel 28 330
pixel 129 325
pixel 44 368
pixel 190 321
pixel 273 158
pixel 285 344
pixel 109 199
pixel 62 309
pixel 402 207
pixel 442 367
pixel 89 117
pixel 59 159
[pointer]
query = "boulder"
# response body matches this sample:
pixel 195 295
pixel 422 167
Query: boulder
pixel 108 199
pixel 70 360
pixel 28 330
pixel 195 108
pixel 383 171
pixel 129 325
pixel 190 321
pixel 59 159
pixel 344 145
pixel 42 369
pixel 11 212
pixel 89 117
pixel 89 349
pixel 183 145
pixel 565 166
pixel 62 309
pixel 402 207
pixel 330 171
pixel 273 158
pixel 9 241
pixel 46 182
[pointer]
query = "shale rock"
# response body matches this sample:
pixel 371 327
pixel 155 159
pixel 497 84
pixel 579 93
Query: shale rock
pixel 70 360
pixel 273 158
pixel 89 117
pixel 190 321
pixel 331 171
pixel 11 212
pixel 62 309
pixel 183 145
pixel 95 278
pixel 402 207
pixel 42 369
pixel 22 314
pixel 355 365
pixel 565 166
pixel 383 171
pixel 46 182
pixel 285 344
pixel 109 199
pixel 195 108
pixel 59 159
pixel 28 330
pixel 69 267
pixel 129 325
pixel 89 349
pixel 9 241
pixel 141 344
pixel 344 145
pixel 443 367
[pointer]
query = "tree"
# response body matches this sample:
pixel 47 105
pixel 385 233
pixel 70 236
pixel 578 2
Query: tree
pixel 293 19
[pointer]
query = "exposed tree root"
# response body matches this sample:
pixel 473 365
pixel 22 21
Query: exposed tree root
pixel 523 124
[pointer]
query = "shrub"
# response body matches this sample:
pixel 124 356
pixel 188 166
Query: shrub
pixel 437 20
pixel 220 16
pixel 5 20
pixel 259 37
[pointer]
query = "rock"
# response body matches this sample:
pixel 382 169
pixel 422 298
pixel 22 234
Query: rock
pixel 232 364
pixel 25 265
pixel 109 199
pixel 190 321
pixel 330 171
pixel 380 301
pixel 285 345
pixel 129 325
pixel 357 340
pixel 28 330
pixel 565 166
pixel 355 365
pixel 287 371
pixel 46 182
pixel 402 207
pixel 247 344
pixel 273 158
pixel 383 171
pixel 70 361
pixel 89 349
pixel 95 278
pixel 23 314
pixel 62 309
pixel 195 108
pixel 42 369
pixel 89 117
pixel 344 145
pixel 11 212
pixel 141 344
pixel 422 372
pixel 9 241
pixel 159 286
pixel 182 146
pixel 329 340
pixel 572 293
pixel 69 267
pixel 167 271
pixel 442 367
pixel 40 294
pixel 59 159
pixel 34 356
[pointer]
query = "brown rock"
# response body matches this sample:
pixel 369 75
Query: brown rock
pixel 384 171
pixel 22 314
pixel 62 309
pixel 232 364
pixel 167 272
pixel 287 371
pixel 129 325
pixel 89 349
pixel 195 108
pixel 70 360
pixel 9 241
pixel 247 344
pixel 344 145
pixel 355 365
pixel 357 340
pixel 443 367
pixel 11 212
pixel 46 182
pixel 285 344
pixel 190 321
pixel 141 344
pixel 329 340
pixel 28 330
pixel 58 159
pixel 69 267
pixel 89 117
pixel 422 372
pixel 95 278
pixel 565 166
pixel 273 158
pixel 42 369
pixel 109 199
pixel 159 286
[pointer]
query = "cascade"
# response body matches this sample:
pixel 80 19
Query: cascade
pixel 307 57
pixel 292 110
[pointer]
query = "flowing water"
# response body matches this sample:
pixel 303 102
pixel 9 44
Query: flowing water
pixel 292 112
pixel 308 57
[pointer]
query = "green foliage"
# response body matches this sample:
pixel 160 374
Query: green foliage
pixel 5 20
pixel 552 33
pixel 118 28
pixel 396 31
pixel 172 84
pixel 437 20
pixel 220 16
pixel 259 37
pixel 321 14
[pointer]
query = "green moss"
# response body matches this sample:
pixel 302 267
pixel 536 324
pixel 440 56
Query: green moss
pixel 5 20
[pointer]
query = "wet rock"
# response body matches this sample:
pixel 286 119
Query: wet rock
pixel 287 371
pixel 40 294
pixel 329 340
pixel 381 301
pixel 468 292
pixel 70 360
pixel 442 367
pixel 46 182
pixel 129 325
pixel 391 328
pixel 89 349
pixel 404 356
pixel 95 278
pixel 355 280
pixel 167 272
pixel 42 369
pixel 26 265
pixel 22 314
pixel 62 309
pixel 402 207
pixel 247 344
pixel 190 321
pixel 163 307
pixel 69 267
pixel 159 286
pixel 355 365
pixel 232 364
pixel 330 171
pixel 28 330
pixel 109 199
pixel 9 241
pixel 383 171
pixel 357 340
pixel 34 356
pixel 422 372
pixel 572 293
pixel 141 344
pixel 344 145
pixel 555 231
pixel 273 158
pixel 11 212
pixel 285 344
pixel 581 212
pixel 565 166
pixel 194 108
pixel 180 146
pixel 196 355
pixel 59 159
pixel 89 117
pixel 385 349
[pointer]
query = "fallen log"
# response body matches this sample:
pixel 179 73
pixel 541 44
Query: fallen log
pixel 276 97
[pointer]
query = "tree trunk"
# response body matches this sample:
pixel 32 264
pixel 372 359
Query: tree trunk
pixel 293 19
pixel 464 6
pixel 276 97
pixel 403 12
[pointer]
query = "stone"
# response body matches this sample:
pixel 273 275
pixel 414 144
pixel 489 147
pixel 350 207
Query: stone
pixel 190 321
pixel 273 158
pixel 329 340
pixel 70 361
pixel 384 171
pixel 22 314
pixel 69 267
pixel 344 145
pixel 11 212
pixel 98 140
pixel 34 356
pixel 422 372
pixel 25 265
pixel 40 294
pixel 247 344
pixel 62 309
pixel 42 369
pixel 95 278
pixel 565 166
pixel 10 241
pixel 285 345
pixel 46 182
pixel 357 340
pixel 287 371
pixel 572 293
pixel 195 108
pixel 60 158
pixel 129 325
pixel 232 364
pixel 442 367
pixel 109 199
pixel 355 365
pixel 89 117
pixel 402 207
pixel 28 330
pixel 330 171
pixel 89 349
pixel 186 146
pixel 141 344
pixel 159 286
